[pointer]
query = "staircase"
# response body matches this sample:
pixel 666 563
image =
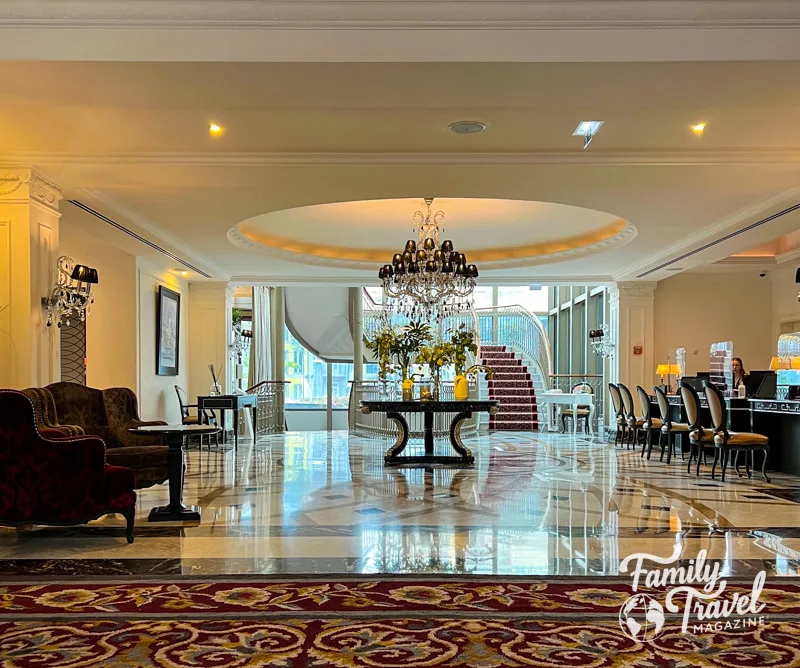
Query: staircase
pixel 512 386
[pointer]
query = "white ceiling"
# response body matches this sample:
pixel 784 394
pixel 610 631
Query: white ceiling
pixel 130 139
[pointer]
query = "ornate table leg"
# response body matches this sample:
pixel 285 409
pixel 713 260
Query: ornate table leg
pixel 175 511
pixel 455 437
pixel 402 437
pixel 428 433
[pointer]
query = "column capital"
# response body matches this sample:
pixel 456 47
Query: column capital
pixel 21 184
pixel 211 289
pixel 646 289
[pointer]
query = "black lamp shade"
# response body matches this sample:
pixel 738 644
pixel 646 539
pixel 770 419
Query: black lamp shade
pixel 382 273
pixel 84 274
pixel 388 269
pixel 461 269
pixel 408 257
pixel 413 268
pixel 411 246
pixel 455 256
pixel 447 246
pixel 429 244
pixel 430 266
pixel 472 271
pixel 462 258
pixel 397 258
pixel 447 267
pixel 400 269
pixel 421 256
pixel 438 256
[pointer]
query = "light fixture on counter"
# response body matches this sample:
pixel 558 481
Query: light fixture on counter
pixel 72 294
pixel 429 280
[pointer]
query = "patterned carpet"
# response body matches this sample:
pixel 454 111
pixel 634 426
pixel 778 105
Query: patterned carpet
pixel 402 622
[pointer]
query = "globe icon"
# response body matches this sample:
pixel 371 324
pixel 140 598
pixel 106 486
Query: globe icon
pixel 641 618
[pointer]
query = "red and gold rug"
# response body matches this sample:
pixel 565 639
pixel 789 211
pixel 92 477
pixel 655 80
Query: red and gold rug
pixel 398 622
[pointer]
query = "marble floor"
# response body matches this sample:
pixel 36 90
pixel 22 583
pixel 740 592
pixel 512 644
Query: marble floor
pixel 534 504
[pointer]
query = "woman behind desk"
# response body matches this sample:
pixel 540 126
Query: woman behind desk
pixel 740 376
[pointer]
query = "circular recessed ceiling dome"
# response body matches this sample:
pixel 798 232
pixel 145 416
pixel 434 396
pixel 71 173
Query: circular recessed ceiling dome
pixel 493 233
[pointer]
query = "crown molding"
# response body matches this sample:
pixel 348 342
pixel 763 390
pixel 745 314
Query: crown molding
pixel 789 256
pixel 153 230
pixel 398 158
pixel 720 227
pixel 330 15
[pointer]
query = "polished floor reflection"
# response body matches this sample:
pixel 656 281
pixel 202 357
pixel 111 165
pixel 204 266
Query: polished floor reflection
pixel 534 504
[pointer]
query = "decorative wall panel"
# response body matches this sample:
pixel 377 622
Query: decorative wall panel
pixel 73 351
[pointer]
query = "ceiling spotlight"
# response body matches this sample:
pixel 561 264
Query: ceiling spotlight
pixel 180 272
pixel 698 128
pixel 466 127
pixel 214 130
pixel 587 130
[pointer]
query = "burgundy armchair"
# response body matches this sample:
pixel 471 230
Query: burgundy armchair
pixel 60 481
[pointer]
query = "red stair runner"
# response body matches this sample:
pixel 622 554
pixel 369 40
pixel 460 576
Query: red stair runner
pixel 512 386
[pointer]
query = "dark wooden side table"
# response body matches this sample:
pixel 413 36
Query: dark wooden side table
pixel 229 402
pixel 175 511
pixel 394 411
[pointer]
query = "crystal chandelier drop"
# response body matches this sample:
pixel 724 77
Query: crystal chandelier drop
pixel 429 280
pixel 600 342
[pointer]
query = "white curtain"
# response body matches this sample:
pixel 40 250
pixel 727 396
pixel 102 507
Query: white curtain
pixel 261 346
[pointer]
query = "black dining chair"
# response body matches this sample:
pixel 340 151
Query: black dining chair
pixel 634 423
pixel 700 437
pixel 649 422
pixel 669 428
pixel 206 417
pixel 726 441
pixel 619 414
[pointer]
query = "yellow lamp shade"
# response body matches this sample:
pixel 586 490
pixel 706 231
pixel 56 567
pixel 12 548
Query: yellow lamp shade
pixel 662 369
pixel 777 363
pixel 674 369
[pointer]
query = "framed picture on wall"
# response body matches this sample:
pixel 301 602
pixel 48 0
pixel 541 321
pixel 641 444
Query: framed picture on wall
pixel 168 324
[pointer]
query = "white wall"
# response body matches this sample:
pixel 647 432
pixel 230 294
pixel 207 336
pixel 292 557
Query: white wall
pixel 111 327
pixel 785 307
pixel 157 397
pixel 694 310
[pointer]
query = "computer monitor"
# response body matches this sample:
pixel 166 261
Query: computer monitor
pixel 762 384
pixel 694 381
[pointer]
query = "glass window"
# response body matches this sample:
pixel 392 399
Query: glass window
pixel 342 374
pixel 535 301
pixel 307 376
pixel 376 294
pixel 482 296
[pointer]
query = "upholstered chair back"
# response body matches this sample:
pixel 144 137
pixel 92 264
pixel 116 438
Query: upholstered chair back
pixel 582 388
pixel 644 403
pixel 716 406
pixel 44 406
pixel 627 401
pixel 691 404
pixel 663 405
pixel 78 404
pixel 616 399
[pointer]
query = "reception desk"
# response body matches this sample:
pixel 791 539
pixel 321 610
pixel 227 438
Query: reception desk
pixel 738 412
pixel 779 420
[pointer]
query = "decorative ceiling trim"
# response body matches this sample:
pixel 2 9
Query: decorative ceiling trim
pixel 720 227
pixel 356 280
pixel 370 159
pixel 408 15
pixel 625 235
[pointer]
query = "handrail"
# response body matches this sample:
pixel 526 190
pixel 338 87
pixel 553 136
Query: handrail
pixel 250 390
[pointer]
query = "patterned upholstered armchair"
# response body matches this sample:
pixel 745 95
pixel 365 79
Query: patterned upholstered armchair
pixel 61 481
pixel 109 414
pixel 45 409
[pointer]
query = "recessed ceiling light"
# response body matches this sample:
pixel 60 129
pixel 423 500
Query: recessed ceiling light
pixel 698 128
pixel 587 130
pixel 467 127
pixel 215 130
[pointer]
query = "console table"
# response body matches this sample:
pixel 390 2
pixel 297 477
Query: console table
pixel 394 411
pixel 174 435
pixel 229 402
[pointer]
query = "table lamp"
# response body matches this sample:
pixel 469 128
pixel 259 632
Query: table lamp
pixel 668 370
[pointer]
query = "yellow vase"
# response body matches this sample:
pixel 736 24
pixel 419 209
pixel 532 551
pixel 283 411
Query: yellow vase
pixel 408 389
pixel 461 388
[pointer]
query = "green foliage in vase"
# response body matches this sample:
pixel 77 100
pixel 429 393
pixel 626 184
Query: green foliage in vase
pixel 408 343
pixel 436 356
pixel 462 340
pixel 383 345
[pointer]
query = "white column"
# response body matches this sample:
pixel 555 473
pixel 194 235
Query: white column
pixel 357 327
pixel 631 320
pixel 209 335
pixel 279 349
pixel 29 220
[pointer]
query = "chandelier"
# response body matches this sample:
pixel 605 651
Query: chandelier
pixel 72 294
pixel 429 280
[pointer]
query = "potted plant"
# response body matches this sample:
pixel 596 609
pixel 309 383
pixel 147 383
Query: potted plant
pixel 383 346
pixel 436 356
pixel 462 340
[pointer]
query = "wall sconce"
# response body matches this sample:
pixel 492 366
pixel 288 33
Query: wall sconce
pixel 72 293
pixel 600 344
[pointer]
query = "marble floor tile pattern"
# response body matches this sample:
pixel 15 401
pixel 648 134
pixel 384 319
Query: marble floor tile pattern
pixel 534 504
